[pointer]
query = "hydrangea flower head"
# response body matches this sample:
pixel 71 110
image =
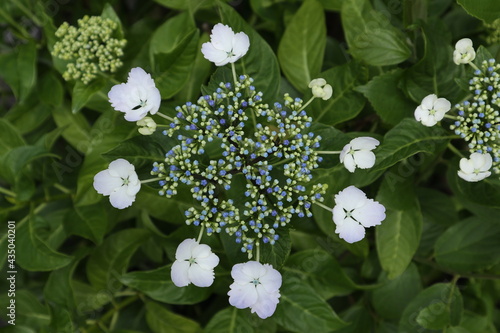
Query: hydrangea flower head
pixel 194 263
pixel 464 52
pixel 91 48
pixel 120 182
pixel 136 98
pixel 353 212
pixel 431 110
pixel 256 286
pixel 358 153
pixel 321 89
pixel 225 46
pixel 476 167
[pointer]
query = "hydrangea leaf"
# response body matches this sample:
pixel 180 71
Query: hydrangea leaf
pixel 302 46
pixel 232 320
pixel 486 10
pixel 161 320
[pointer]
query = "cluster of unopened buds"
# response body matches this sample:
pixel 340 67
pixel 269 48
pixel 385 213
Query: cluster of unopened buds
pixel 476 121
pixel 266 149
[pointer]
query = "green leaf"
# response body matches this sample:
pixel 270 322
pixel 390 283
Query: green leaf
pixel 110 259
pixel 359 319
pixel 109 13
pixel 276 254
pixel 302 46
pixel 19 69
pixel 345 102
pixel 230 320
pixel 58 287
pixel 301 309
pixel 9 137
pixel 35 254
pixel 89 221
pixel 370 35
pixel 399 234
pixel 436 307
pixel 16 159
pixel 260 62
pixel 321 271
pixel 469 245
pixel 486 10
pixel 335 5
pixel 406 139
pixel 391 110
pixel 29 311
pixel 390 300
pixel 191 5
pixel 51 91
pixel 158 285
pixel 82 93
pixel 61 320
pixel 160 320
pixel 76 127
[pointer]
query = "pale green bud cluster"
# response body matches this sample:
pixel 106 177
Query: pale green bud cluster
pixel 89 49
pixel 493 31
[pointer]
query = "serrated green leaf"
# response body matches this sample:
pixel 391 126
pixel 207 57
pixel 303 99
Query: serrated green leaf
pixel 302 46
pixel 110 259
pixel 391 110
pixel 370 35
pixel 158 285
pixel 161 320
pixel 301 309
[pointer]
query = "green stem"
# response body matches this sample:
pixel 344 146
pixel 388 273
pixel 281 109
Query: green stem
pixel 455 150
pixel 233 69
pixel 202 230
pixel 7 192
pixel 16 25
pixel 28 13
pixel 151 180
pixel 323 206
pixel 474 66
pixel 116 308
pixel 450 117
pixel 62 188
pixel 258 251
pixel 328 152
pixel 307 103
pixel 165 116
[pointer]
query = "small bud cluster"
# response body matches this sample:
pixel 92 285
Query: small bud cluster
pixel 478 122
pixel 493 31
pixel 233 136
pixel 89 49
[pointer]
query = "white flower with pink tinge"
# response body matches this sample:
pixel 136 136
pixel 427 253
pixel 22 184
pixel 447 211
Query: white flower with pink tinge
pixel 353 212
pixel 194 263
pixel 120 182
pixel 225 46
pixel 256 286
pixel 136 98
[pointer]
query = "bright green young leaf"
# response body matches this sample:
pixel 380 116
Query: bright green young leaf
pixel 301 309
pixel 302 46
pixel 345 102
pixel 83 92
pixel 486 10
pixel 161 320
pixel 260 62
pixel 406 139
pixel 391 110
pixel 390 299
pixel 110 259
pixel 436 307
pixel 370 35
pixel 35 254
pixel 158 285
pixel 399 234
pixel 469 245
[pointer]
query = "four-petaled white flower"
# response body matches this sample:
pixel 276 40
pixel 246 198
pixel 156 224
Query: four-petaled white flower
pixel 137 97
pixel 464 52
pixel 358 153
pixel 475 168
pixel 225 46
pixel 147 126
pixel 321 89
pixel 120 182
pixel 256 286
pixel 431 110
pixel 353 212
pixel 194 263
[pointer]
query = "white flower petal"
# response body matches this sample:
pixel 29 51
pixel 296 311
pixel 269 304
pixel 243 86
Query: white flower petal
pixel 271 281
pixel 185 249
pixel 364 143
pixel 350 231
pixel 317 82
pixel 349 162
pixel 242 296
pixel 364 159
pixel 241 44
pixel 442 104
pixel 254 269
pixel 238 275
pixel 218 57
pixel 266 303
pixel 482 162
pixel 209 262
pixel 350 198
pixel 179 273
pixel 120 198
pixel 200 277
pixel 328 92
pixel 222 37
pixel 370 214
pixel 105 184
pixel 428 101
